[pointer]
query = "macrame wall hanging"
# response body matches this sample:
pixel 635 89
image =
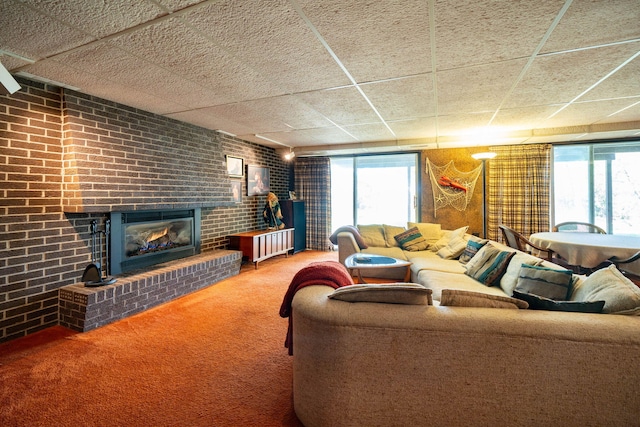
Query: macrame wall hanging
pixel 450 186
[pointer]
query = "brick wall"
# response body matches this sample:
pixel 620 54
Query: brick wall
pixel 67 158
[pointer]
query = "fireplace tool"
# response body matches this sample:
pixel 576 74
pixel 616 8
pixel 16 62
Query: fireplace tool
pixel 93 275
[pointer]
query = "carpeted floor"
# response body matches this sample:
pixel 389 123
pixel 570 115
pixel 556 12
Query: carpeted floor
pixel 212 358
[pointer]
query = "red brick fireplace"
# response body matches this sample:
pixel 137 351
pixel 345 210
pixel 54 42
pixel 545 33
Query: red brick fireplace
pixel 69 159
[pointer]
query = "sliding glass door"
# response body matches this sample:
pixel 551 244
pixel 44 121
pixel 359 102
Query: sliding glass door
pixel 377 189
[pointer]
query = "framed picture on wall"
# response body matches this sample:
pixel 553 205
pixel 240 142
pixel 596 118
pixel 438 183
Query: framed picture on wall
pixel 235 166
pixel 236 191
pixel 257 180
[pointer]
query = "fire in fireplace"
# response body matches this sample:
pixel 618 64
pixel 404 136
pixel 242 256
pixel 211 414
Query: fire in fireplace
pixel 144 238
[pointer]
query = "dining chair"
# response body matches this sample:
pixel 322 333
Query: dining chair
pixel 618 262
pixel 518 241
pixel 574 226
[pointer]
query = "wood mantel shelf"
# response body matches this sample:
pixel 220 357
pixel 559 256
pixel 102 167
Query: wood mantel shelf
pixel 259 245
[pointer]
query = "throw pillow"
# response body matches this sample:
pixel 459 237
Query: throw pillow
pixel 473 246
pixel 373 235
pixel 460 298
pixel 454 248
pixel 431 232
pixel 412 240
pixel 545 282
pixel 389 232
pixel 446 237
pixel 510 278
pixel 390 293
pixel 541 303
pixel 489 264
pixel 620 294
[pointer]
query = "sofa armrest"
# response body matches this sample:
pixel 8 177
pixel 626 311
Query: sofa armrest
pixel 347 245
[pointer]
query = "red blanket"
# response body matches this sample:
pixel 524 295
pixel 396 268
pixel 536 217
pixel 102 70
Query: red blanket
pixel 327 273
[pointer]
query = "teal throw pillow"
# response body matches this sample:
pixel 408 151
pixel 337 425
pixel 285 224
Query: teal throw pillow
pixel 541 303
pixel 489 265
pixel 473 246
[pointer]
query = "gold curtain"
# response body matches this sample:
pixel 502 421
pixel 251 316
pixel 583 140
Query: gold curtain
pixel 519 189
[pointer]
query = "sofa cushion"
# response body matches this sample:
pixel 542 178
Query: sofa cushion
pixel 390 252
pixel 545 282
pixel 620 294
pixel 440 280
pixel 489 264
pixel 446 237
pixel 373 235
pixel 390 293
pixel 473 246
pixel 541 303
pixel 454 248
pixel 390 231
pixel 430 261
pixel 460 298
pixel 509 280
pixel 431 232
pixel 412 240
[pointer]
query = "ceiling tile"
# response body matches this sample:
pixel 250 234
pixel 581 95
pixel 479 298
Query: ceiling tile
pixel 272 38
pixel 345 106
pixel 462 124
pixel 99 18
pixel 177 48
pixel 366 36
pixel 625 82
pixel 557 79
pixel 403 98
pixel 523 118
pixel 476 89
pixel 628 113
pixel 585 113
pixel 34 35
pixel 414 129
pixel 486 31
pixel 595 22
pixel 371 132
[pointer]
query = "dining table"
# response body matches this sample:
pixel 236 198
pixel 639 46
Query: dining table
pixel 587 250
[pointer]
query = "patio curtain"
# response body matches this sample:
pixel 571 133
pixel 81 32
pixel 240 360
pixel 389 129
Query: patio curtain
pixel 519 189
pixel 313 185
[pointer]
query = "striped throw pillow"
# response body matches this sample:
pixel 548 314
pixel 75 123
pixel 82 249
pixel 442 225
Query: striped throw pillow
pixel 489 264
pixel 473 246
pixel 412 240
pixel 545 282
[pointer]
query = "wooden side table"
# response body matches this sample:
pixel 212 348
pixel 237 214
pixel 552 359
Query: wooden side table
pixel 259 245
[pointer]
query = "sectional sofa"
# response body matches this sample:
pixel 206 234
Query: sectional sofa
pixel 476 356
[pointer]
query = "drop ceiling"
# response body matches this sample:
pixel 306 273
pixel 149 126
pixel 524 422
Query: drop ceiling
pixel 347 76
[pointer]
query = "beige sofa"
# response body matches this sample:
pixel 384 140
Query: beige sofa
pixel 376 364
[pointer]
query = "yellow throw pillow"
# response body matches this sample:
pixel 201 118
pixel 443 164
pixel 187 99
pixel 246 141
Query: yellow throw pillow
pixel 373 235
pixel 431 232
pixel 390 231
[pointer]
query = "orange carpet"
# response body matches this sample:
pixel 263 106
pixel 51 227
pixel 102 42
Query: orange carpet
pixel 212 358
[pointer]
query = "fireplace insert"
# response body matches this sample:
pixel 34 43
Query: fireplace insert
pixel 144 238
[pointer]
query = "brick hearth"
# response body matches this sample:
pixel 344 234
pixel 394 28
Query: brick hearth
pixel 83 309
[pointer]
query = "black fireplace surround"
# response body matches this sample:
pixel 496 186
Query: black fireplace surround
pixel 140 239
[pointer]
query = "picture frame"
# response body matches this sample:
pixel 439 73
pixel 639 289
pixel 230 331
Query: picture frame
pixel 257 180
pixel 292 195
pixel 235 166
pixel 236 191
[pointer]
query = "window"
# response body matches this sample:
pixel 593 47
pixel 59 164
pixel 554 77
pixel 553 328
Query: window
pixel 599 184
pixel 373 190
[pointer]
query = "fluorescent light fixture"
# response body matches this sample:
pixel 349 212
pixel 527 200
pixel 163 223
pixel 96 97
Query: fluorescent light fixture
pixel 270 140
pixel 8 85
pixel 46 80
pixel 225 133
pixel 486 155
